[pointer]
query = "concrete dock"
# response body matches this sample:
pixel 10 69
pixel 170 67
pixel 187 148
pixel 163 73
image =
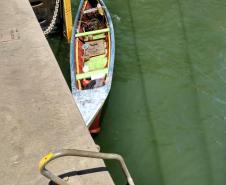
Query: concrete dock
pixel 37 111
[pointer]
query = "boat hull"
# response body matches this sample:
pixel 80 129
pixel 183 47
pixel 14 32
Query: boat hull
pixel 95 127
pixel 91 101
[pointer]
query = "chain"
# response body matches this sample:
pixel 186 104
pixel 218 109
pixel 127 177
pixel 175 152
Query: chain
pixel 53 21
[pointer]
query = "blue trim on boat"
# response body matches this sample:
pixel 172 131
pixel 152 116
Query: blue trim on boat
pixel 72 49
pixel 112 36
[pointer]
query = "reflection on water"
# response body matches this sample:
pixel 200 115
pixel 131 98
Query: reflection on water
pixel 166 113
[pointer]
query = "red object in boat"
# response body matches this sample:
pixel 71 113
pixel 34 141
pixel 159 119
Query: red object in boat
pixel 95 126
pixel 85 82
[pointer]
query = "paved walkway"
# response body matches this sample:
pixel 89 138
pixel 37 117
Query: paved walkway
pixel 37 112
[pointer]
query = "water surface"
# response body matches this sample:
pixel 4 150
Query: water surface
pixel 166 113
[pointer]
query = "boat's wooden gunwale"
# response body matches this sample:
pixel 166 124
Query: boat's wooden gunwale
pixel 77 49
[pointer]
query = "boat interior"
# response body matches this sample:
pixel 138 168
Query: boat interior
pixel 92 49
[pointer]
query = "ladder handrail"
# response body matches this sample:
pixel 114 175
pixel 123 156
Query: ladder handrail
pixel 80 153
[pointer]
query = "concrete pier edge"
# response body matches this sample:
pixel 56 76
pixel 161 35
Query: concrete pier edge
pixel 37 111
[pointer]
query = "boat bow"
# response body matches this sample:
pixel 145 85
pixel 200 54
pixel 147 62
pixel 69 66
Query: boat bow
pixel 90 102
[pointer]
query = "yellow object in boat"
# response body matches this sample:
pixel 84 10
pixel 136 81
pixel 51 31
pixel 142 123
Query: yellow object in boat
pixel 100 9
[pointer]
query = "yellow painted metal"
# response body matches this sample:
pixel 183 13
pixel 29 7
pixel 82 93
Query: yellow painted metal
pixel 68 19
pixel 45 160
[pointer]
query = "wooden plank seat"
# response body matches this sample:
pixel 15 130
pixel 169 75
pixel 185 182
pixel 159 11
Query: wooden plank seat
pixel 92 10
pixel 95 32
pixel 95 37
pixel 91 73
pixel 94 63
pixel 96 66
pixel 99 36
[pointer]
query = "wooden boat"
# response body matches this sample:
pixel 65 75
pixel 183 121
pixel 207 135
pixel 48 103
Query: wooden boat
pixel 92 55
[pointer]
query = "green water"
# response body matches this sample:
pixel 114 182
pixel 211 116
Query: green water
pixel 166 113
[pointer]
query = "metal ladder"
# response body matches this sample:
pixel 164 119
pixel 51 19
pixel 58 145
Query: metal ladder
pixel 79 153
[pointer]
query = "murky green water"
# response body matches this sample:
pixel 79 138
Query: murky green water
pixel 166 113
